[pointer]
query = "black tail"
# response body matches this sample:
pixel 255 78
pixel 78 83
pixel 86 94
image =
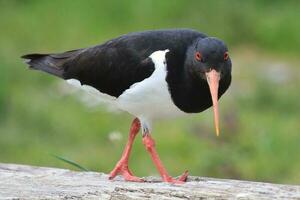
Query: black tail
pixel 51 63
pixel 44 62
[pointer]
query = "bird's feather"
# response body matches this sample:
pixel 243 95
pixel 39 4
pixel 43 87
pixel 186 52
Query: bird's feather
pixel 114 66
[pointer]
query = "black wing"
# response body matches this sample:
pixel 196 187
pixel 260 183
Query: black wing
pixel 115 65
pixel 110 70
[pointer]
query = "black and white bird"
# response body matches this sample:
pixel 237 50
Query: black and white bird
pixel 151 75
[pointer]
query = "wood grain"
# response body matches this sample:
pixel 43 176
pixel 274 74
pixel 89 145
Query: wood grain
pixel 28 182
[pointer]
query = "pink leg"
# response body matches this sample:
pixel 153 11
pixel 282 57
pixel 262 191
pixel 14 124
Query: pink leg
pixel 122 166
pixel 150 146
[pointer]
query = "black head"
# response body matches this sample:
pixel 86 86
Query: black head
pixel 207 54
pixel 208 60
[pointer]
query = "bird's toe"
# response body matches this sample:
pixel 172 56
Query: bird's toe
pixel 184 176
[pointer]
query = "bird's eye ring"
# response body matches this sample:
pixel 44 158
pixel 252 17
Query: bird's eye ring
pixel 198 56
pixel 226 56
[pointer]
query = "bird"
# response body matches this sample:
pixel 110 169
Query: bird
pixel 152 75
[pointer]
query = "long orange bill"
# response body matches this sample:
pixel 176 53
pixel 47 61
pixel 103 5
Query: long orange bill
pixel 213 78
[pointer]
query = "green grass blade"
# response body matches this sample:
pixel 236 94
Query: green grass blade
pixel 71 163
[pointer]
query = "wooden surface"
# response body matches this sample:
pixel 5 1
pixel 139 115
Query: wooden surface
pixel 27 182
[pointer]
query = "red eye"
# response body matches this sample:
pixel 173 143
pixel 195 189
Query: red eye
pixel 198 56
pixel 226 56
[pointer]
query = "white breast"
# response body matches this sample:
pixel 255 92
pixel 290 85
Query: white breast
pixel 150 98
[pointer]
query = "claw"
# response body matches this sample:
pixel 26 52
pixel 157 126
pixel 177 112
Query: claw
pixel 184 176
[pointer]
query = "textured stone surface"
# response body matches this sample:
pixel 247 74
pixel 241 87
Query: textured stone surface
pixel 27 182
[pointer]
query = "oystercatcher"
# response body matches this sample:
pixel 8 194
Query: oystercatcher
pixel 151 75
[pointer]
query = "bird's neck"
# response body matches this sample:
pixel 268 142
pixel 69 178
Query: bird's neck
pixel 189 93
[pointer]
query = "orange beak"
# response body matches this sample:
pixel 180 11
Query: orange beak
pixel 213 78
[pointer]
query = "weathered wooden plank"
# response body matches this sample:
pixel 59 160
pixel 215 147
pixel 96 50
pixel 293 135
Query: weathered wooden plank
pixel 27 182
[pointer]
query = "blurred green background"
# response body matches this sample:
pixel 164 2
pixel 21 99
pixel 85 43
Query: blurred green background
pixel 40 116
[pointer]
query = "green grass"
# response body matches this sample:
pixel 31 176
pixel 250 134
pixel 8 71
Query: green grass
pixel 259 114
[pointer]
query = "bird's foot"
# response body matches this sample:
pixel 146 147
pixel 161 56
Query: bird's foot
pixel 122 169
pixel 150 146
pixel 180 180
